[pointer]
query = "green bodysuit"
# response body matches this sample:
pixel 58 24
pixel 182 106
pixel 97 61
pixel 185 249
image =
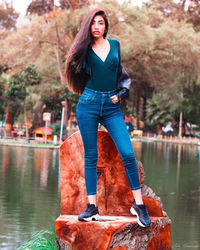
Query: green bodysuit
pixel 104 74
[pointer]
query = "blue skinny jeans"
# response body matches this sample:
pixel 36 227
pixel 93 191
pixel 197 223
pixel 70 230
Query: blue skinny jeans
pixel 96 107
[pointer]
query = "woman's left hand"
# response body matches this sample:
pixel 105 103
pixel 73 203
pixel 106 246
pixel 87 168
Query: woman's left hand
pixel 114 99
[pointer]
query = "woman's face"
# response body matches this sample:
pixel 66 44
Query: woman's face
pixel 98 27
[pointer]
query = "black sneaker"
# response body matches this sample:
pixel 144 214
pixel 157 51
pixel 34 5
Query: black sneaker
pixel 142 215
pixel 91 213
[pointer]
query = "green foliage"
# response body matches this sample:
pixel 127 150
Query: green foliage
pixel 19 82
pixel 52 99
pixel 3 68
pixel 166 105
pixel 44 240
pixel 2 95
pixel 130 111
pixel 30 76
pixel 191 105
pixel 15 88
pixel 158 111
pixel 53 96
pixel 161 54
pixel 56 129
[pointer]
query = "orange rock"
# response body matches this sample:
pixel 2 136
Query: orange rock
pixel 114 194
pixel 112 232
pixel 114 198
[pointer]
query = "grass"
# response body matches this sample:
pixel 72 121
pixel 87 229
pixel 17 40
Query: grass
pixel 43 240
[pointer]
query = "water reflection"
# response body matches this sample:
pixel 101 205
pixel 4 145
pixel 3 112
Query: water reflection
pixel 6 162
pixel 198 154
pixel 173 172
pixel 29 195
pixel 41 164
pixel 29 190
pixel 178 165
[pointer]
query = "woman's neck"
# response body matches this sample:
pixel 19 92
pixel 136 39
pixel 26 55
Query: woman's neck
pixel 98 42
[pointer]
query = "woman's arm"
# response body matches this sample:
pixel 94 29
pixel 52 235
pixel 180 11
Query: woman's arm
pixel 123 79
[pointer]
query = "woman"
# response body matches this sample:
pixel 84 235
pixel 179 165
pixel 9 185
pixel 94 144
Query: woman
pixel 93 69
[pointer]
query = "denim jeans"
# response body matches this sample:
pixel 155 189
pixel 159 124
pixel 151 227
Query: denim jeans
pixel 96 107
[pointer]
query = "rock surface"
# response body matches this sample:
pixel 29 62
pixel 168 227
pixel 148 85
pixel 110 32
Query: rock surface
pixel 112 232
pixel 114 194
pixel 116 229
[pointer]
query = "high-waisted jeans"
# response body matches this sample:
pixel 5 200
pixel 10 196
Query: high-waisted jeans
pixel 96 107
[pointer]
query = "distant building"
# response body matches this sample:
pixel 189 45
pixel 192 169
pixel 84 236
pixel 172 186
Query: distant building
pixel 39 134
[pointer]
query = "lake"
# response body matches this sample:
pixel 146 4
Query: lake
pixel 30 195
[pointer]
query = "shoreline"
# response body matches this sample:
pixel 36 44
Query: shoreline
pixel 189 141
pixel 23 143
pixel 5 142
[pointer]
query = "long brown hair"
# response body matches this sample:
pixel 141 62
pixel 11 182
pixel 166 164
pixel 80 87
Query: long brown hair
pixel 76 80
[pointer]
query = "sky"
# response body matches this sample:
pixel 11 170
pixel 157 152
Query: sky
pixel 21 5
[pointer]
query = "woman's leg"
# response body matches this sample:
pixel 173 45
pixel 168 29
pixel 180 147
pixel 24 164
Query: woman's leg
pixel 88 125
pixel 92 199
pixel 116 127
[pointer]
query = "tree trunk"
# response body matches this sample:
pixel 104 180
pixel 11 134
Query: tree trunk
pixel 38 121
pixel 9 119
pixel 138 112
pixel 144 108
pixel 67 114
pixel 180 124
pixel 141 112
pixel 180 120
pixel 25 119
pixel 59 64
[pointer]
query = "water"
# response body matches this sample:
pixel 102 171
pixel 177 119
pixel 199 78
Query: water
pixel 29 193
pixel 30 198
pixel 173 172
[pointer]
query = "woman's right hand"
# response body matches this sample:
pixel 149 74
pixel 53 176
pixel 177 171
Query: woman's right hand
pixel 114 99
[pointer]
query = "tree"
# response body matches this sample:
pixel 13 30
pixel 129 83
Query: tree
pixel 17 89
pixel 2 96
pixel 45 43
pixel 163 107
pixel 169 8
pixel 3 82
pixel 160 53
pixel 193 13
pixel 8 17
pixel 3 68
pixel 181 10
pixel 191 104
pixel 40 7
pixel 73 4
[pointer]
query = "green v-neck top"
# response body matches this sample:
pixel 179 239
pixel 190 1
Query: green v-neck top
pixel 103 73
